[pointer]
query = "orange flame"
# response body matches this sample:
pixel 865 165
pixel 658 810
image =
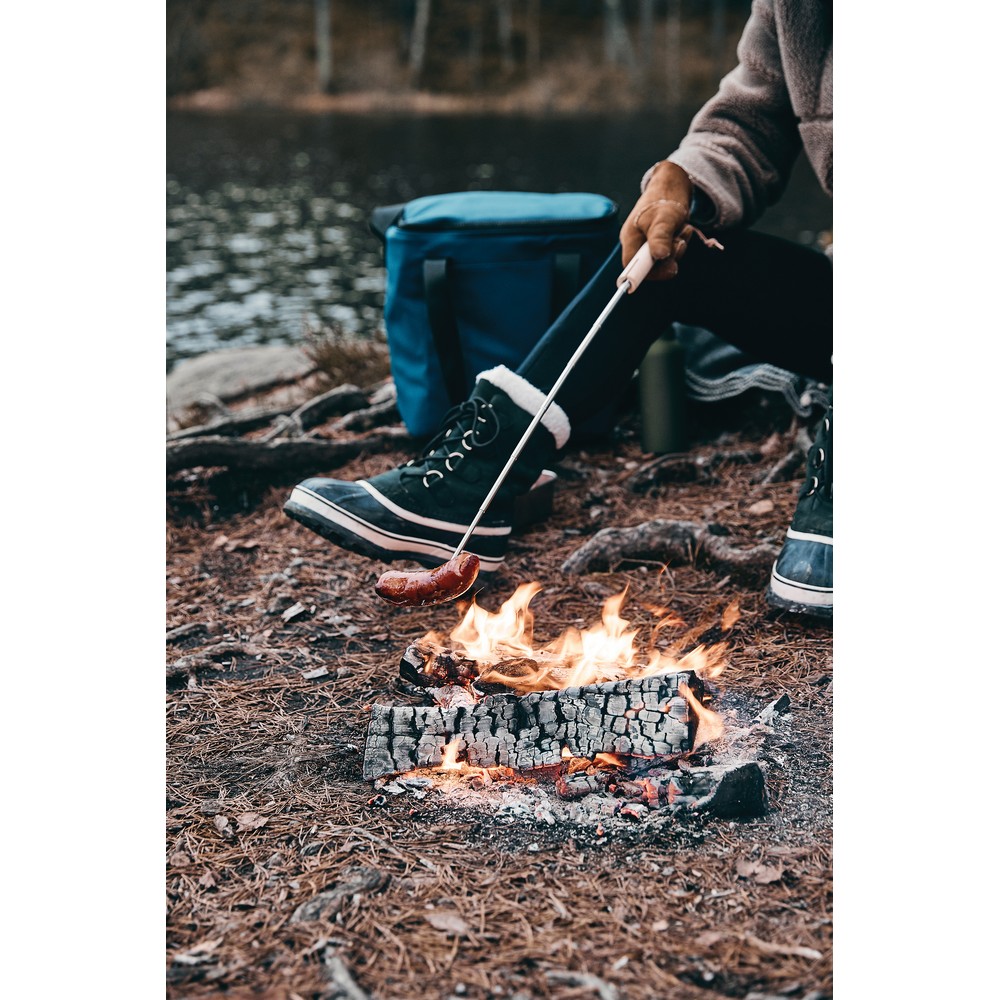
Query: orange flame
pixel 449 756
pixel 507 633
pixel 710 724
pixel 605 651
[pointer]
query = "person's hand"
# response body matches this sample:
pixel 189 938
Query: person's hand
pixel 660 217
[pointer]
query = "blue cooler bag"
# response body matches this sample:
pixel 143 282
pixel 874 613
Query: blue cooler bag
pixel 473 280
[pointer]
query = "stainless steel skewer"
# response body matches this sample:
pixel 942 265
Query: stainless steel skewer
pixel 628 281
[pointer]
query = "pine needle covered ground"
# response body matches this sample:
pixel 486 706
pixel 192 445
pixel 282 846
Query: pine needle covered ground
pixel 276 648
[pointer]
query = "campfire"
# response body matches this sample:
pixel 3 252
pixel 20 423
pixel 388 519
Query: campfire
pixel 597 711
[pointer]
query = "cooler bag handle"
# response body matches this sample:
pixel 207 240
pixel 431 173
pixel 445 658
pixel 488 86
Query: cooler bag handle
pixel 382 218
pixel 444 324
pixel 444 328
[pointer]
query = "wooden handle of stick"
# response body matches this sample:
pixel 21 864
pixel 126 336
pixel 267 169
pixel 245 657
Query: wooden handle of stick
pixel 636 269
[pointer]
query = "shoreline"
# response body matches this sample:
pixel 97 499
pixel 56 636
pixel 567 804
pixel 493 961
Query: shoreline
pixel 223 100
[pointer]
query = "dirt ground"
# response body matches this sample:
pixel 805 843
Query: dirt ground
pixel 266 807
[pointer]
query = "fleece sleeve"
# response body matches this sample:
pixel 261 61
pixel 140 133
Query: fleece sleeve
pixel 741 145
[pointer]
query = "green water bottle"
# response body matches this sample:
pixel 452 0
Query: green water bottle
pixel 663 396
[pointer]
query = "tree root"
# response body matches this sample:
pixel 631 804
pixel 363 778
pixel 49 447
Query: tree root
pixel 315 411
pixel 279 455
pixel 377 415
pixel 662 541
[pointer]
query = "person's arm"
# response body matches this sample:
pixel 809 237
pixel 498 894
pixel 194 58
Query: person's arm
pixel 740 147
pixel 733 162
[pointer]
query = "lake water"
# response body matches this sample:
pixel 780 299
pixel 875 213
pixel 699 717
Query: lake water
pixel 267 213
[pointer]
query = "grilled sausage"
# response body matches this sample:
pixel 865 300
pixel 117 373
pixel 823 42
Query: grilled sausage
pixel 429 586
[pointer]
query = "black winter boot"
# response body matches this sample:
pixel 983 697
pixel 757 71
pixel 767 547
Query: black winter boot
pixel 421 510
pixel 802 575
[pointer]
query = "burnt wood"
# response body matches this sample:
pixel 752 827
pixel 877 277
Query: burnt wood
pixel 647 718
pixel 727 790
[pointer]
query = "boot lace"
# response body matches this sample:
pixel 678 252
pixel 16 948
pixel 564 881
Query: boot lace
pixel 821 461
pixel 471 424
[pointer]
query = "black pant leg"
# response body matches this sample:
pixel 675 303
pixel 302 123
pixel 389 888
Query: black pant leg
pixel 771 298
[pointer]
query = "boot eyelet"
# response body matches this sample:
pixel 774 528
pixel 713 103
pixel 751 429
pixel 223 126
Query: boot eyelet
pixel 432 472
pixel 812 489
pixel 821 456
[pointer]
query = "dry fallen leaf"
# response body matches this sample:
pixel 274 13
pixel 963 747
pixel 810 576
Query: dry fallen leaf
pixel 448 920
pixel 761 507
pixel 758 871
pixel 731 615
pixel 207 881
pixel 708 938
pixel 242 544
pixel 250 821
pixel 293 612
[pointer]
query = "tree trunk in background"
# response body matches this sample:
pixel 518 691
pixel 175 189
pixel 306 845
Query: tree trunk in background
pixel 719 37
pixel 505 33
pixel 646 33
pixel 534 48
pixel 617 47
pixel 675 84
pixel 324 47
pixel 476 47
pixel 418 40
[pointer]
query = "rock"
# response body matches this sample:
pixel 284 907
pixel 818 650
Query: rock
pixel 232 373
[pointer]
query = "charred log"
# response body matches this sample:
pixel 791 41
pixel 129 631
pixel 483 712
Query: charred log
pixel 726 790
pixel 575 786
pixel 650 717
pixel 426 667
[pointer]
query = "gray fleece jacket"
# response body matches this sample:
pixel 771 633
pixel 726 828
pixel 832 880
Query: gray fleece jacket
pixel 741 146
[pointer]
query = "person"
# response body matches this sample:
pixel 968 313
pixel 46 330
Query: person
pixel 771 298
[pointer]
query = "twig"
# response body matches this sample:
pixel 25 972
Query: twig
pixel 342 399
pixel 681 467
pixel 786 468
pixel 342 985
pixel 603 989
